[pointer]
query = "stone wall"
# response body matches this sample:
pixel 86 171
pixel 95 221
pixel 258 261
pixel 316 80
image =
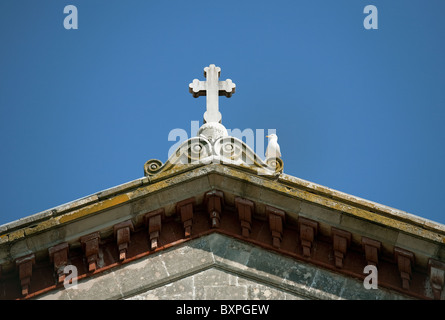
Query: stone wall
pixel 219 267
pixel 216 284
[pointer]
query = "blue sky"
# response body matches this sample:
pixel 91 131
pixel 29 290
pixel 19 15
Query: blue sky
pixel 360 111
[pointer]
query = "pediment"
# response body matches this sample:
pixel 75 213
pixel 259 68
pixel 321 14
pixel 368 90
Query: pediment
pixel 212 267
pixel 293 217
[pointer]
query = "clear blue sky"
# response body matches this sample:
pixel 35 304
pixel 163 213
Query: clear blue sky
pixel 361 111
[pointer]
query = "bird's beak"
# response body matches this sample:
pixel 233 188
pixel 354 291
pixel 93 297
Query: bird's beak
pixel 267 136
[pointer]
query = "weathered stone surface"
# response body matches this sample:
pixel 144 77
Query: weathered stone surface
pixel 324 216
pixel 102 287
pixel 147 272
pixel 32 219
pixel 368 229
pixel 258 291
pixel 215 284
pixel 182 289
pixel 188 189
pixel 120 188
pixel 218 267
pixel 188 258
pixel 353 289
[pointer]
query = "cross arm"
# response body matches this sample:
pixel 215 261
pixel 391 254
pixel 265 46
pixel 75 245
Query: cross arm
pixel 197 88
pixel 226 88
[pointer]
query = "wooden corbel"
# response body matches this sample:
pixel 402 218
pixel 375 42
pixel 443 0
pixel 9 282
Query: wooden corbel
pixel 154 221
pixel 404 259
pixel 341 241
pixel 90 245
pixel 308 230
pixel 245 209
pixel 184 209
pixel 276 219
pixel 213 201
pixel 372 250
pixel 59 256
pixel 25 271
pixel 437 276
pixel 122 232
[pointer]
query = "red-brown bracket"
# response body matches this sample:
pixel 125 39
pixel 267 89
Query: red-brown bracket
pixel 59 256
pixel 25 271
pixel 308 230
pixel 372 249
pixel 341 240
pixel 90 245
pixel 154 221
pixel 213 201
pixel 122 233
pixel 437 276
pixel 245 209
pixel 184 209
pixel 404 259
pixel 276 219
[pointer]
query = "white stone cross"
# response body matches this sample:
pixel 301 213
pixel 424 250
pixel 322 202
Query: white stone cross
pixel 212 88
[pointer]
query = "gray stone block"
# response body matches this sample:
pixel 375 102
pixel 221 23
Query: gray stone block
pixel 229 252
pixel 179 290
pixel 267 265
pixel 328 282
pixel 257 291
pixel 145 273
pixel 102 287
pixel 354 290
pixel 225 293
pixel 188 258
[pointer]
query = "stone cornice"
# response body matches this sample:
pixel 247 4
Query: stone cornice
pixel 286 185
pixel 299 200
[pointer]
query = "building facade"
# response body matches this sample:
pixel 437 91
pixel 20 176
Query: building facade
pixel 215 221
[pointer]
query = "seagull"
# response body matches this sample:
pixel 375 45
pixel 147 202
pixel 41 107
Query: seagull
pixel 273 148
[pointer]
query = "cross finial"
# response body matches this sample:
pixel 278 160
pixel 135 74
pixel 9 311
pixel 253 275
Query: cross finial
pixel 212 88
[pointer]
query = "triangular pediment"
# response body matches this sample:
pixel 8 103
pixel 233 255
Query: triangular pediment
pixel 219 267
pixel 278 206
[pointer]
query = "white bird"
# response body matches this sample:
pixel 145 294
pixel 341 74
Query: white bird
pixel 273 148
